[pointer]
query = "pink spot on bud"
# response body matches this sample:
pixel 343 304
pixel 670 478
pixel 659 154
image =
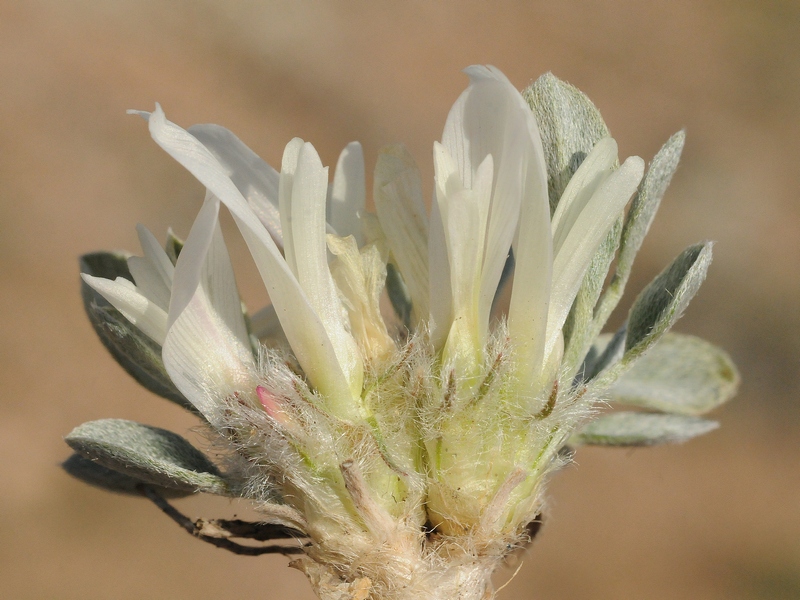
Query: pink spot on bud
pixel 271 405
pixel 268 400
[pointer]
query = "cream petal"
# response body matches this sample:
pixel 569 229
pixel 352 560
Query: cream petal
pixel 360 276
pixel 491 117
pixel 464 231
pixel 309 191
pixel 441 297
pixel 585 235
pixel 594 170
pixel 530 294
pixel 204 359
pixel 204 262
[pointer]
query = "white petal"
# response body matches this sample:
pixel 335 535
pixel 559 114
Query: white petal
pixel 256 180
pixel 288 167
pixel 267 328
pixel 491 117
pixel 401 212
pixel 449 181
pixel 155 254
pixel 204 359
pixel 204 261
pixel 134 306
pixel 302 326
pixel 441 297
pixel 466 213
pixel 594 170
pixel 207 350
pixel 589 228
pixel 530 294
pixel 309 191
pixel 349 194
pixel 149 281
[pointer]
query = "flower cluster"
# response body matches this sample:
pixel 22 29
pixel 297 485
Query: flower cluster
pixel 409 448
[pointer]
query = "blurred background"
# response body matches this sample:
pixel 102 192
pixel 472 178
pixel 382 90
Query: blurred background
pixel 716 518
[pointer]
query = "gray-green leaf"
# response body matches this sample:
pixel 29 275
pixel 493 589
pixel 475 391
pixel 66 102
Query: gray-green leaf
pixel 569 124
pixel 606 350
pixel 102 477
pixel 663 301
pixel 637 222
pixel 641 429
pixel 147 453
pixel 681 374
pixel 135 352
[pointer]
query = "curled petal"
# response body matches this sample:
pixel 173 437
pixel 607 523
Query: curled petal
pixel 256 180
pixel 148 316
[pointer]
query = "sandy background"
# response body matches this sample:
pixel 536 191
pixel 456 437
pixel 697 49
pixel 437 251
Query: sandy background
pixel 716 518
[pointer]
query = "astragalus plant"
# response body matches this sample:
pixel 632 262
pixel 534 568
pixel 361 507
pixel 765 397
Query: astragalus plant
pixel 406 453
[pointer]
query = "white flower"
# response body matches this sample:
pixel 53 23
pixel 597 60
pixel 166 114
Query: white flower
pixel 454 425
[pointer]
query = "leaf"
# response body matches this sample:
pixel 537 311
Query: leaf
pixel 569 125
pixel 147 453
pixel 637 222
pixel 641 429
pixel 134 351
pixel 102 477
pixel 663 301
pixel 606 351
pixel 658 307
pixel 681 374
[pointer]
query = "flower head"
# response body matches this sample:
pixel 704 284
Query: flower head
pixel 450 414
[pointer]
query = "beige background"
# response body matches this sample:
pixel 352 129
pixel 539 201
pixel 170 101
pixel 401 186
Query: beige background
pixel 716 518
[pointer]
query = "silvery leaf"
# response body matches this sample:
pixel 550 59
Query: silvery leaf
pixel 663 301
pixel 637 222
pixel 641 429
pixel 102 477
pixel 569 124
pixel 657 308
pixel 147 453
pixel 134 351
pixel 605 352
pixel 681 374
